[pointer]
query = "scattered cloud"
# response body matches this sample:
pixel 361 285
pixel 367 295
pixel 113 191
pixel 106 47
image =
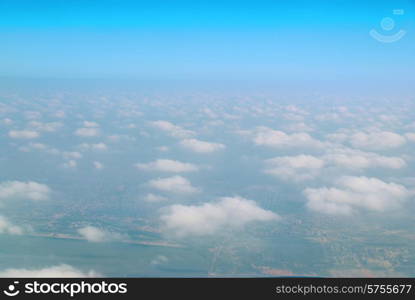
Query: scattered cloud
pixel 93 147
pixel 9 228
pixel 377 140
pixel 89 124
pixel 23 134
pixel 154 198
pixel 264 136
pixel 167 165
pixel 24 190
pixel 356 159
pixel 300 167
pixel 201 146
pixel 73 155
pixel 47 127
pixel 58 271
pixel 7 121
pixel 175 184
pixel 159 259
pixel 87 132
pixel 210 218
pixel 98 165
pixel 353 193
pixel 173 130
pixel 410 136
pixel 70 164
pixel 97 235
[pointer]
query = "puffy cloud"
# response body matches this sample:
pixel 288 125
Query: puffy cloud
pixel 173 130
pixel 48 127
pixel 24 190
pixel 32 115
pixel 120 137
pixel 159 259
pixel 60 114
pixel 264 136
pixel 377 140
pixel 154 198
pixel 210 218
pixel 201 146
pixel 73 154
pixel 305 167
pixel 98 165
pixel 7 121
pixel 353 193
pixel 70 164
pixel 167 165
pixel 89 124
pixel 356 159
pixel 94 147
pixel 174 184
pixel 87 132
pixel 410 136
pixel 58 271
pixel 299 127
pixel 23 134
pixel 300 167
pixel 9 228
pixel 163 148
pixel 97 235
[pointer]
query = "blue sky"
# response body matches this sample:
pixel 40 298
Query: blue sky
pixel 254 40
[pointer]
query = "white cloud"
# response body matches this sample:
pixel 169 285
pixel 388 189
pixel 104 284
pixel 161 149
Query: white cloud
pixel 73 154
pixel 24 190
pixel 167 165
pixel 376 140
pixel 201 146
pixel 120 137
pixel 410 136
pixel 356 159
pixel 97 235
pixel 70 164
pixel 354 193
pixel 264 136
pixel 305 167
pixel 300 167
pixel 299 127
pixel 94 147
pixel 23 134
pixel 210 218
pixel 32 115
pixel 7 121
pixel 60 114
pixel 89 124
pixel 48 127
pixel 87 132
pixel 98 165
pixel 163 148
pixel 154 198
pixel 9 228
pixel 159 259
pixel 40 147
pixel 174 184
pixel 58 271
pixel 173 130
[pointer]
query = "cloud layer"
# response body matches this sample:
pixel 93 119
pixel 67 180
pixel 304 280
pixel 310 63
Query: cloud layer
pixel 351 194
pixel 167 165
pixel 209 218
